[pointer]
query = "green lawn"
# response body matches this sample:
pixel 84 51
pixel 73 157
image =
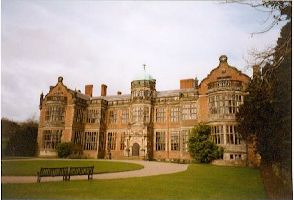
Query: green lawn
pixel 30 167
pixel 198 182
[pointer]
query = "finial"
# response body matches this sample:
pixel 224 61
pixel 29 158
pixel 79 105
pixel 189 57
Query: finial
pixel 60 79
pixel 223 58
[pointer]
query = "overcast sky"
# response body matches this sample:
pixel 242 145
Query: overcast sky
pixel 95 42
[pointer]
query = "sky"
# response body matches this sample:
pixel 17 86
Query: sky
pixel 107 42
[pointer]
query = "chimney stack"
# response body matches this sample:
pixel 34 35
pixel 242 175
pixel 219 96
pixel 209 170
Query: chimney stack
pixel 103 90
pixel 187 83
pixel 89 90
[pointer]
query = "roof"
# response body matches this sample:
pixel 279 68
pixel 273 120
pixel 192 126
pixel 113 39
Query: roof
pixel 167 93
pixel 143 74
pixel 80 95
pixel 173 92
pixel 114 97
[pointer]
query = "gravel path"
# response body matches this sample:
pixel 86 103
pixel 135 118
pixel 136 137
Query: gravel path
pixel 151 168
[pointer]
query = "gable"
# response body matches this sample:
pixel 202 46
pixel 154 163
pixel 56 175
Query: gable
pixel 59 92
pixel 223 72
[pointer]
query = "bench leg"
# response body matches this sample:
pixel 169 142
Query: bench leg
pixel 38 179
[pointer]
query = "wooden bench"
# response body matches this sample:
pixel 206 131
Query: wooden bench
pixel 75 171
pixel 52 172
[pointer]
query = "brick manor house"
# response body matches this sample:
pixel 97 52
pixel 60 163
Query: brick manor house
pixel 146 123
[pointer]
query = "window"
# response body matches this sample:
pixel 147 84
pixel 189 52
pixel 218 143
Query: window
pixel 140 114
pixel 90 139
pixel 160 141
pixel 226 103
pixel 174 141
pixel 185 137
pixel 175 114
pixel 125 116
pixel 146 114
pixel 79 115
pixel 137 114
pixel 112 117
pixel 217 134
pixel 78 136
pixel 122 141
pixel 159 114
pixel 189 112
pixel 140 94
pixel 235 157
pixel 55 113
pixel 111 140
pixel 232 136
pixel 93 116
pixel 51 138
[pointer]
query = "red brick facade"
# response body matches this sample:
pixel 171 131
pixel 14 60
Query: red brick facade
pixel 145 123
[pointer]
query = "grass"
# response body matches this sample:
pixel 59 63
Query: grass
pixel 30 167
pixel 198 182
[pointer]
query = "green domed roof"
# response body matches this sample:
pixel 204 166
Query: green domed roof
pixel 143 74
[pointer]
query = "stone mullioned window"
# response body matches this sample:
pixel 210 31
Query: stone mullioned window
pixel 88 140
pixel 175 114
pixel 111 140
pixel 160 141
pixel 222 84
pixel 122 141
pixel 79 115
pixel 93 116
pixel 189 111
pixel 160 114
pixel 225 134
pixel 184 138
pixel 175 141
pixel 55 113
pixel 51 138
pixel 112 117
pixel 140 114
pixel 125 116
pixel 225 103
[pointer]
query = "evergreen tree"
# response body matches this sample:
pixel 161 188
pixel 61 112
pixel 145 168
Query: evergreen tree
pixel 267 110
pixel 200 147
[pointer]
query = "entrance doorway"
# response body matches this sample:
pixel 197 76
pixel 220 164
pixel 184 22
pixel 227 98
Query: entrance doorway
pixel 135 149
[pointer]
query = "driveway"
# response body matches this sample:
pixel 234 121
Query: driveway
pixel 151 168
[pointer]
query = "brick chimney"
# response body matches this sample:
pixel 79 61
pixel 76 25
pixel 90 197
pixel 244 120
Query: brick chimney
pixel 103 90
pixel 187 83
pixel 89 90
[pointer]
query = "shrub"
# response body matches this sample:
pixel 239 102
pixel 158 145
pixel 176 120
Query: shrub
pixel 64 149
pixel 200 147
